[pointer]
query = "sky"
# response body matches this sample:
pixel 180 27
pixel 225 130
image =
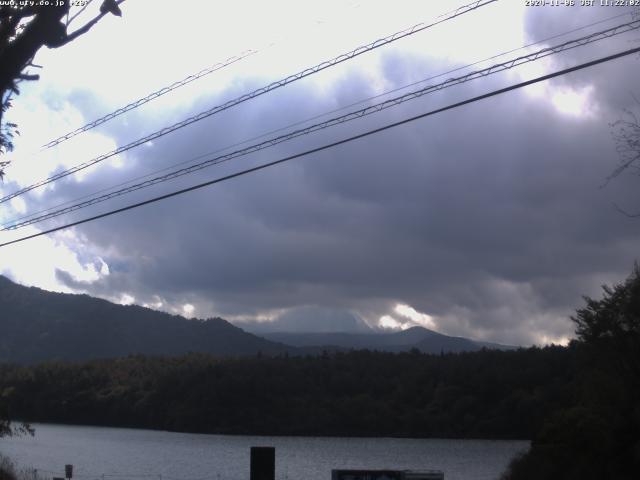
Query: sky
pixel 489 221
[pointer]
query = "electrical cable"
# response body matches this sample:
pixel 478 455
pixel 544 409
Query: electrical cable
pixel 334 121
pixel 150 97
pixel 271 132
pixel 261 91
pixel 359 102
pixel 331 145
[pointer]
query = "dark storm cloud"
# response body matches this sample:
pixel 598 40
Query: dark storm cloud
pixel 489 218
pixel 613 82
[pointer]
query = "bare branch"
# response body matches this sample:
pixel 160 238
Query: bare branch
pixel 2 167
pixel 626 133
pixel 89 25
pixel 624 212
pixel 26 76
pixel 82 30
pixel 79 12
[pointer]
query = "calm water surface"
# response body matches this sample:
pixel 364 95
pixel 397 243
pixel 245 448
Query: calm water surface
pixel 118 454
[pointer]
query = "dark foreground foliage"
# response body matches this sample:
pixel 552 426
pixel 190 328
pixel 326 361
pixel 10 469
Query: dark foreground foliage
pixel 598 436
pixel 487 394
pixel 7 470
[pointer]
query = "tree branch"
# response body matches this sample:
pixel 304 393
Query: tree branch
pixel 73 17
pixel 624 212
pixel 27 76
pixel 88 26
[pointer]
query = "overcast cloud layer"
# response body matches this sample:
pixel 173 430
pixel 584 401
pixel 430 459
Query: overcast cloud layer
pixel 488 221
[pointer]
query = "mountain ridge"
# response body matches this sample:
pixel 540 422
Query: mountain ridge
pixel 38 325
pixel 421 338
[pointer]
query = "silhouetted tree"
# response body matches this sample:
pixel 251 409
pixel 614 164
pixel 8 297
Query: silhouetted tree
pixel 599 436
pixel 8 429
pixel 24 29
pixel 612 324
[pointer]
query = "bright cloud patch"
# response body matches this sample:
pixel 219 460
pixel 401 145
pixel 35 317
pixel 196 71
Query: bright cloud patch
pixel 188 309
pixel 418 318
pixel 36 262
pixel 577 103
pixel 390 323
pixel 126 299
pixel 405 316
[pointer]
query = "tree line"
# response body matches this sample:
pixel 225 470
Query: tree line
pixel 486 394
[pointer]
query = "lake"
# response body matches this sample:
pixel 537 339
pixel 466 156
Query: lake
pixel 119 454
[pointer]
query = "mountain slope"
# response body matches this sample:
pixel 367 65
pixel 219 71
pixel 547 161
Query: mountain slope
pixel 37 325
pixel 423 339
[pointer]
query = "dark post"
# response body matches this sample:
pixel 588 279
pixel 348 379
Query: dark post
pixel 263 463
pixel 68 471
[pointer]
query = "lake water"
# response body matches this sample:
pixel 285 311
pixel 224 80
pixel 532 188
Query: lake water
pixel 120 454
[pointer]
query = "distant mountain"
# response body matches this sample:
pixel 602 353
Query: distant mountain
pixel 423 339
pixel 37 325
pixel 311 318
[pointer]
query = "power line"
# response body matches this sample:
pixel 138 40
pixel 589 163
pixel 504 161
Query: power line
pixel 332 122
pixel 261 91
pixel 150 97
pixel 10 223
pixel 333 144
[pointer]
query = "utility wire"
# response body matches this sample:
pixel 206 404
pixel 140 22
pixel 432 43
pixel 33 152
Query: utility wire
pixel 146 99
pixel 151 96
pixel 11 223
pixel 302 122
pixel 261 91
pixel 79 12
pixel 333 144
pixel 333 121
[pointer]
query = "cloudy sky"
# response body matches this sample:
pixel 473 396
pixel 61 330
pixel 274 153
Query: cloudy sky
pixel 488 221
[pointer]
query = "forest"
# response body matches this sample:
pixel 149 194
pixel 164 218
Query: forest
pixel 487 394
